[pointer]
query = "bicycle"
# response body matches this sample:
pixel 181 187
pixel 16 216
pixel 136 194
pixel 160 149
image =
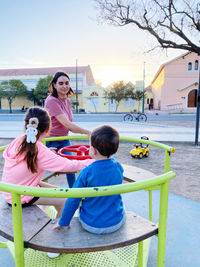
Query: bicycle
pixel 138 116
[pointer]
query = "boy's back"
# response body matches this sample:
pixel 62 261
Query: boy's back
pixel 101 211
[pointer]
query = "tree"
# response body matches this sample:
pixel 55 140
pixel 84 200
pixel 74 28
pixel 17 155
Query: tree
pixel 174 24
pixel 1 95
pixel 11 89
pixel 117 92
pixel 42 89
pixel 138 97
pixel 135 95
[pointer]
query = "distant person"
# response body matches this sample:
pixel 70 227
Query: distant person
pixel 26 160
pixel 99 215
pixel 59 107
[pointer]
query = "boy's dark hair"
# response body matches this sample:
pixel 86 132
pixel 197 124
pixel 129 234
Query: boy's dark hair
pixel 53 90
pixel 30 149
pixel 105 139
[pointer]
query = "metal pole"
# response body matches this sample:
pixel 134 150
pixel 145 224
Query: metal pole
pixel 143 88
pixel 197 114
pixel 76 86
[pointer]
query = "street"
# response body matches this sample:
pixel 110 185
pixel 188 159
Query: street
pixel 161 127
pixel 110 117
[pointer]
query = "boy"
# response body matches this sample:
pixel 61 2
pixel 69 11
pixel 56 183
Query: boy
pixel 98 215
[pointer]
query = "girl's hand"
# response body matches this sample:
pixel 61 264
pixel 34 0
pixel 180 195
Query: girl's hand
pixel 57 226
pixel 53 149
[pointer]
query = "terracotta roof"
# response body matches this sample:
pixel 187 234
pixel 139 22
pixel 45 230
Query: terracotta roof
pixel 49 71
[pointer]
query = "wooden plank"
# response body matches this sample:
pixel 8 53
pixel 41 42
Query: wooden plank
pixel 47 175
pixel 131 174
pixel 33 220
pixel 77 240
pixel 135 174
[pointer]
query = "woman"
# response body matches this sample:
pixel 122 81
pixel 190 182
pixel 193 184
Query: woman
pixel 59 107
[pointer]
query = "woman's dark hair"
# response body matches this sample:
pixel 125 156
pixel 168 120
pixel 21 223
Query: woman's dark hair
pixel 105 139
pixel 53 90
pixel 30 149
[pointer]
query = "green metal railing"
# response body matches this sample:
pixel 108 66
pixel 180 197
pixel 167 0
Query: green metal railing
pixel 168 151
pixel 160 182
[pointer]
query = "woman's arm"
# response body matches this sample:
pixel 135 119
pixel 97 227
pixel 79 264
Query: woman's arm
pixel 70 125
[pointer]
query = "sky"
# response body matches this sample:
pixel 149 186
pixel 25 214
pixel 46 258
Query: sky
pixel 56 33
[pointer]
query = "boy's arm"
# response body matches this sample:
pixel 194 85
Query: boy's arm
pixel 57 226
pixel 71 204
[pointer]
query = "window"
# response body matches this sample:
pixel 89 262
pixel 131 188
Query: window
pixel 189 66
pixel 196 65
pixel 147 100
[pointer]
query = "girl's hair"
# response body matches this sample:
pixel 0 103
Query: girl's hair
pixel 53 90
pixel 105 139
pixel 30 149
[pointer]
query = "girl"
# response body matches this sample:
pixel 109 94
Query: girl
pixel 26 160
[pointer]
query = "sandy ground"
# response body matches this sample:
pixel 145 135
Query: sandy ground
pixel 185 162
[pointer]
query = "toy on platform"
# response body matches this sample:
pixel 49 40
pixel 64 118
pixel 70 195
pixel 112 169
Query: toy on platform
pixel 82 152
pixel 140 150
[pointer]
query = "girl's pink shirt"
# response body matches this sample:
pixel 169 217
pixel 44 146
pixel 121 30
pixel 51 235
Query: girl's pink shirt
pixel 15 169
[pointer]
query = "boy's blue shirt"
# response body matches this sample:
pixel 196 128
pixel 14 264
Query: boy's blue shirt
pixel 98 212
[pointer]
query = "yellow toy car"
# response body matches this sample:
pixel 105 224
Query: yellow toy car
pixel 140 150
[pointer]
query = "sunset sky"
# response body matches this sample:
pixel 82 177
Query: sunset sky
pixel 54 33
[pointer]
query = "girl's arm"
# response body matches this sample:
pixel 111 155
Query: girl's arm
pixel 70 125
pixel 49 161
pixel 43 184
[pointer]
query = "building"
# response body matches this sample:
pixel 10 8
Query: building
pixel 30 77
pixel 175 84
pixel 90 95
pixel 149 99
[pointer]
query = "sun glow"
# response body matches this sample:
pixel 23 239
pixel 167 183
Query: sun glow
pixel 109 75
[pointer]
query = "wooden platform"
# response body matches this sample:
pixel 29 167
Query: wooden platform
pixel 131 174
pixel 39 234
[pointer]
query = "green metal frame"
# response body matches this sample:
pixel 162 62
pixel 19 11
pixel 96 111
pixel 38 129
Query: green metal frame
pixel 160 182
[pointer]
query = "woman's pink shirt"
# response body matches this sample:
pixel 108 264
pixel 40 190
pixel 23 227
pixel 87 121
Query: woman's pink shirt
pixel 57 106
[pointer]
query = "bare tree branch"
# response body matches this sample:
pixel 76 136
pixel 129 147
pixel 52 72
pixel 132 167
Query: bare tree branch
pixel 173 23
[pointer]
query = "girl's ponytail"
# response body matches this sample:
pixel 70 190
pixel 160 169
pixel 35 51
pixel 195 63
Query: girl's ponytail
pixel 37 120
